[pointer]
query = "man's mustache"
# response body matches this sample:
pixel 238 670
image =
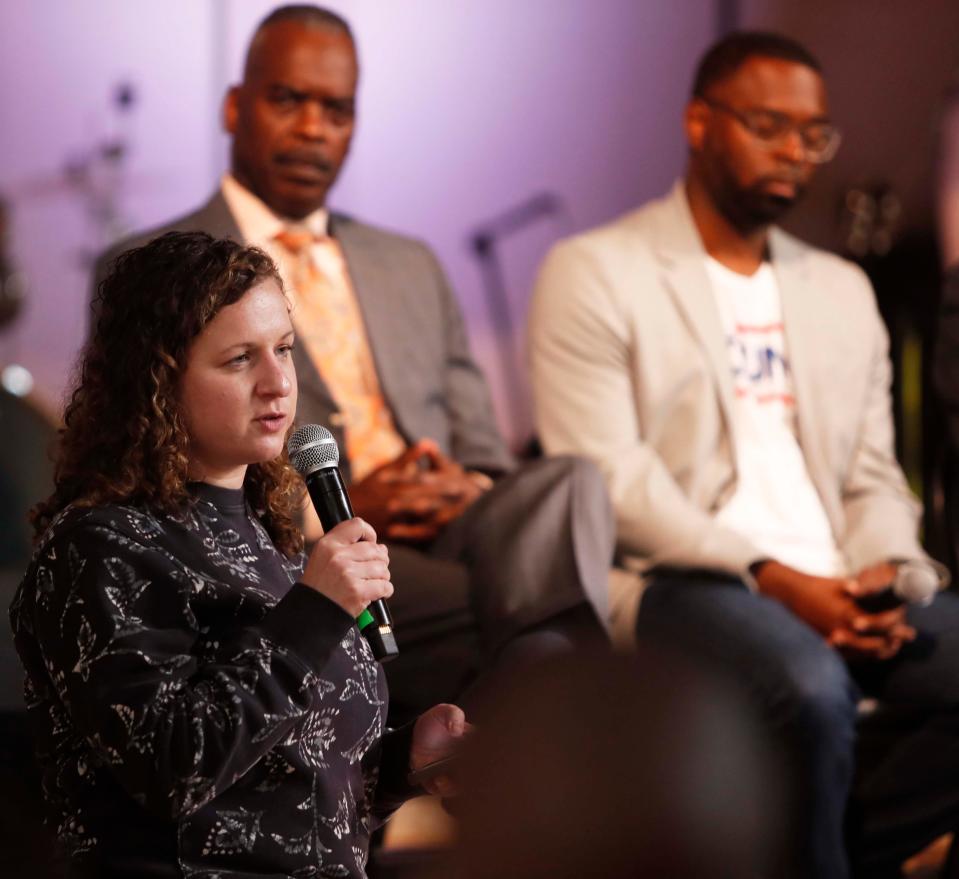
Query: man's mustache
pixel 298 157
pixel 792 179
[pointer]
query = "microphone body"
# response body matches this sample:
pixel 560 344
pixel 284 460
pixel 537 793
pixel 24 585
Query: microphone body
pixel 316 462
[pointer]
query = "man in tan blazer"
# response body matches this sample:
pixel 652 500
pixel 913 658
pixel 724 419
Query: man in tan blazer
pixel 732 383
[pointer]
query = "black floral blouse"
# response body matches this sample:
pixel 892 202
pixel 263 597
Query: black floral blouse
pixel 197 713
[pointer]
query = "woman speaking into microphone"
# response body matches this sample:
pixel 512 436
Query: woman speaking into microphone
pixel 202 701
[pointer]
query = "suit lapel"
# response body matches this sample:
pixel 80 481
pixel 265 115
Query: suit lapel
pixel 377 292
pixel 683 259
pixel 324 408
pixel 215 218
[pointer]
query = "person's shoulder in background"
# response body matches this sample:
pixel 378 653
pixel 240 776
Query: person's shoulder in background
pixel 395 249
pixel 213 217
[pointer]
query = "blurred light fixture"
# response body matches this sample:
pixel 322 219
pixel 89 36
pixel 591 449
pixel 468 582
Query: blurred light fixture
pixel 16 380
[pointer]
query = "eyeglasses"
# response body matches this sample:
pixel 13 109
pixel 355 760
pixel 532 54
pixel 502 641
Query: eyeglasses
pixel 820 140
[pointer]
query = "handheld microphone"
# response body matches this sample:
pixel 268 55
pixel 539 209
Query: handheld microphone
pixel 315 456
pixel 915 583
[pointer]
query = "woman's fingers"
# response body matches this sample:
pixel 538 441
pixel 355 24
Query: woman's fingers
pixel 376 589
pixel 352 531
pixel 349 567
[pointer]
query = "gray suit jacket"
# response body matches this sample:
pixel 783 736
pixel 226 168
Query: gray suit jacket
pixel 630 368
pixel 433 387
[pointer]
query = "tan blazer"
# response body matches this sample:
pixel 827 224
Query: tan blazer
pixel 630 368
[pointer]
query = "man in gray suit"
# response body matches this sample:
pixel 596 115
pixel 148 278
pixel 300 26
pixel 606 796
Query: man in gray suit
pixel 733 385
pixel 487 560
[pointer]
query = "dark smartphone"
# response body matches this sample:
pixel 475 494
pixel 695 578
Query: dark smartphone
pixel 879 602
pixel 432 770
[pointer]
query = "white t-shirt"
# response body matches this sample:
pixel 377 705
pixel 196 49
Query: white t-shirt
pixel 775 503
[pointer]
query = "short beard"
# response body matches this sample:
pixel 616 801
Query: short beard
pixel 751 209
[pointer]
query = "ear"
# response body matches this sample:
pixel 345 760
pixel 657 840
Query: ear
pixel 695 121
pixel 231 110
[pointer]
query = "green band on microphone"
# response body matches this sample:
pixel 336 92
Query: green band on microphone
pixel 364 619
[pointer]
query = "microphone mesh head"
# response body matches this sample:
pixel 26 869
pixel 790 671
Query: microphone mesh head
pixel 916 583
pixel 312 447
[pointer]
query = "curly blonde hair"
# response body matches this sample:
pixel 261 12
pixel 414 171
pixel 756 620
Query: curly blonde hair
pixel 124 438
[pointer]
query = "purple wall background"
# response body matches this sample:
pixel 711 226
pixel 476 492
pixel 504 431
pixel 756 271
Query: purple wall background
pixel 465 111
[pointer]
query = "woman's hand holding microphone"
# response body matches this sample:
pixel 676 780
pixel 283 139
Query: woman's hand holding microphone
pixel 349 567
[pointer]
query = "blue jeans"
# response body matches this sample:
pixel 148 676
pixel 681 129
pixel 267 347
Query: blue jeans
pixel 897 770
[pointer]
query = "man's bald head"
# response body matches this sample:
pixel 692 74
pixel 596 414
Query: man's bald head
pixel 291 118
pixel 298 13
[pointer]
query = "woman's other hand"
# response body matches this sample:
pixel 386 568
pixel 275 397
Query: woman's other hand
pixel 437 734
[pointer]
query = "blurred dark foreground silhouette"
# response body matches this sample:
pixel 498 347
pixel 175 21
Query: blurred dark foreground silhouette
pixel 610 766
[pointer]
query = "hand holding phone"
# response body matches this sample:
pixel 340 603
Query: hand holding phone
pixel 438 736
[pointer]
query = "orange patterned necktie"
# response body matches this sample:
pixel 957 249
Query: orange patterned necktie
pixel 329 325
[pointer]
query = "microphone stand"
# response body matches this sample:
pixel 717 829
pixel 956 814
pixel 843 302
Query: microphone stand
pixel 483 242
